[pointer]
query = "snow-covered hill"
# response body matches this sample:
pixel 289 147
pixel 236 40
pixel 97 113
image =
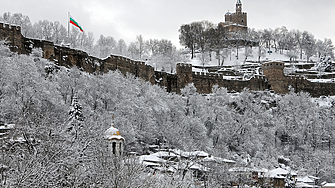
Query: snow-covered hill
pixel 238 57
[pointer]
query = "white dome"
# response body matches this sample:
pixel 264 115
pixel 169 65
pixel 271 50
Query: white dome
pixel 228 13
pixel 113 133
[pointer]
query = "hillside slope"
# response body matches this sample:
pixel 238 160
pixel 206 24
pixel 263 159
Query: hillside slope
pixel 261 125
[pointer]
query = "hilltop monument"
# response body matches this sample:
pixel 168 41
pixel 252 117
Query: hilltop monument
pixel 237 21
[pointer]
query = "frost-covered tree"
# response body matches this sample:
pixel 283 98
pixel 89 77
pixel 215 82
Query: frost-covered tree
pixel 308 44
pixel 187 37
pixel 105 46
pixel 121 48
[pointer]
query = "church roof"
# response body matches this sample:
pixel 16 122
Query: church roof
pixel 238 2
pixel 228 13
pixel 113 133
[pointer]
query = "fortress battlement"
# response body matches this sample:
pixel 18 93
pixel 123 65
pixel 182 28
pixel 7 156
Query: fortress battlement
pixel 184 65
pixel 10 27
pixel 238 13
pixel 273 78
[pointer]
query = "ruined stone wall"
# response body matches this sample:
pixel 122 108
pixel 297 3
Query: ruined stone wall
pixel 167 81
pixel 12 35
pixel 64 56
pixel 204 83
pixel 315 89
pixel 184 75
pixel 280 83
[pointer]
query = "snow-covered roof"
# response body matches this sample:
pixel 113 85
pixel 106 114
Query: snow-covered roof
pixel 313 178
pixel 228 13
pixel 113 133
pixel 197 166
pixel 305 179
pixel 151 158
pixel 190 154
pixel 146 163
pixel 279 172
pixel 217 159
pixel 328 185
pixel 303 185
pixel 164 154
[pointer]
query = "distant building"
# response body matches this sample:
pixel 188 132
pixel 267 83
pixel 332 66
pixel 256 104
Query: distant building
pixel 247 175
pixel 277 178
pixel 307 182
pixel 237 21
pixel 115 141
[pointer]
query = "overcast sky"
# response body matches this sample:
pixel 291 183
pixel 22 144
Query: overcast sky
pixel 161 19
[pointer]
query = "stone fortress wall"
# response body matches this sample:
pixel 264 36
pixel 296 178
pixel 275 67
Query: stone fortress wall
pixel 63 56
pixel 277 81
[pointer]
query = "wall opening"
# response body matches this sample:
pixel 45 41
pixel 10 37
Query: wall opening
pixel 114 148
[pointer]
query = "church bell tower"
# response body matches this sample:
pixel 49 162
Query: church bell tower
pixel 238 6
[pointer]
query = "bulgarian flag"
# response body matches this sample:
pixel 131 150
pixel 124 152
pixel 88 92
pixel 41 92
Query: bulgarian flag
pixel 75 23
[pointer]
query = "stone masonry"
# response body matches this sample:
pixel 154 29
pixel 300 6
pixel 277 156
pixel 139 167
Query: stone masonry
pixel 63 56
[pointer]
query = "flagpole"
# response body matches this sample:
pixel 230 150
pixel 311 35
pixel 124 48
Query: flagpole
pixel 68 25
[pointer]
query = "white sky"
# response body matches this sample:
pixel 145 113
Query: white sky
pixel 161 19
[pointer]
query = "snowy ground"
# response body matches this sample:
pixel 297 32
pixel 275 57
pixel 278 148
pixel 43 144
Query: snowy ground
pixel 324 101
pixel 247 68
pixel 233 61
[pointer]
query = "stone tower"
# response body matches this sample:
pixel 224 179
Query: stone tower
pixel 184 75
pixel 236 21
pixel 274 72
pixel 115 141
pixel 238 6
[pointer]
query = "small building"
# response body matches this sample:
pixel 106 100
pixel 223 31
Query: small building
pixel 278 177
pixel 247 175
pixel 115 141
pixel 306 182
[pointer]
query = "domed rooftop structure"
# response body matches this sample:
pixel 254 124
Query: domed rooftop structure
pixel 115 140
pixel 228 13
pixel 113 134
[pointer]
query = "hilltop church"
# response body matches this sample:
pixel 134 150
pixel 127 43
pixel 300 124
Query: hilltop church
pixel 237 21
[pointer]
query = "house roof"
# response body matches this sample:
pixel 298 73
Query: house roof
pixel 279 172
pixel 217 159
pixel 151 159
pixel 305 179
pixel 328 185
pixel 164 154
pixel 190 154
pixel 303 185
pixel 313 178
